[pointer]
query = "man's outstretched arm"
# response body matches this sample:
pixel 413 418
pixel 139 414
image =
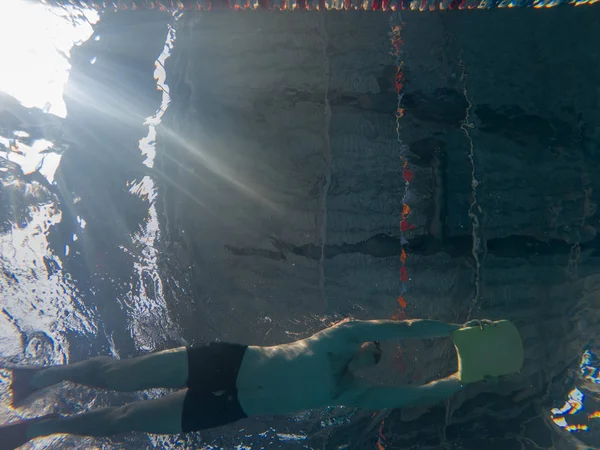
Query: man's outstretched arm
pixel 381 330
pixel 383 397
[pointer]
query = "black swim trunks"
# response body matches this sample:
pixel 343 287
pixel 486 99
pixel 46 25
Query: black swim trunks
pixel 211 400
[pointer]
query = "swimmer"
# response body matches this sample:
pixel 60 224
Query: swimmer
pixel 219 383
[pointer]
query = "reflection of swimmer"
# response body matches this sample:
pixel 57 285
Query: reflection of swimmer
pixel 221 383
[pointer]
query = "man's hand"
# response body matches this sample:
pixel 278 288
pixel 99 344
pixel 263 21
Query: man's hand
pixel 481 323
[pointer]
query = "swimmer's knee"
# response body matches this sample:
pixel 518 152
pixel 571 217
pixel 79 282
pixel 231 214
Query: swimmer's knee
pixel 116 420
pixel 110 373
pixel 124 419
pixel 145 416
pixel 118 375
pixel 91 372
pixel 103 363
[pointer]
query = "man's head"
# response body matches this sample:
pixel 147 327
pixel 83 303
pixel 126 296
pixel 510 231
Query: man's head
pixel 368 355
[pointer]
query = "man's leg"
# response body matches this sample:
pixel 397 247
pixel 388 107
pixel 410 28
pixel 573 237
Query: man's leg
pixel 159 416
pixel 166 369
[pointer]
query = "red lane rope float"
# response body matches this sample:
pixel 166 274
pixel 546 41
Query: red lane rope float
pixel 407 174
pixel 313 5
pixel 405 226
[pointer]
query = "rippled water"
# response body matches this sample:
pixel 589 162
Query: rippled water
pixel 78 210
pixel 56 265
pixel 86 266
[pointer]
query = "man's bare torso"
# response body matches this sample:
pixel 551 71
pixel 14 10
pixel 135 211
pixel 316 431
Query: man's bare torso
pixel 309 373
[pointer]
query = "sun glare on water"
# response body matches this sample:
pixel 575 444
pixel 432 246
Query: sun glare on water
pixel 34 54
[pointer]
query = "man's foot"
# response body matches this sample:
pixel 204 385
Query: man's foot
pixel 13 435
pixel 21 386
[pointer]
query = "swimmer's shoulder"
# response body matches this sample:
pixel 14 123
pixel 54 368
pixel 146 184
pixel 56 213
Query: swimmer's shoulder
pixel 338 336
